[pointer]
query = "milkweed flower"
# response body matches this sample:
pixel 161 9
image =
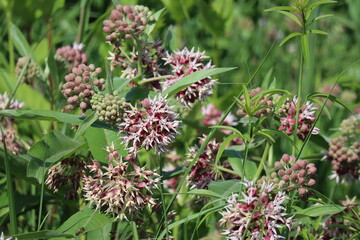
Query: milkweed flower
pixel 121 188
pixel 66 175
pixel 32 70
pixel 212 116
pixel 258 213
pixel 71 56
pixel 2 237
pixel 153 127
pixel 80 87
pixel 306 118
pixel 184 63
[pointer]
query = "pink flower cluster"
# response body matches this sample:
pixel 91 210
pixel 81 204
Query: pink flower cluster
pixel 257 214
pixel 184 63
pixel 305 122
pixel 126 22
pixel 9 136
pixel 295 173
pixel 66 175
pixel 212 116
pixel 71 56
pixel 80 86
pixel 154 127
pixel 122 188
pixel 202 172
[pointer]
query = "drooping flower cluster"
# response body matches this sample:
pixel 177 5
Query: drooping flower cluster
pixel 109 108
pixel 71 56
pixel 66 175
pixel 155 127
pixel 9 131
pixel 202 173
pixel 122 188
pixel 80 86
pixel 344 155
pixel 184 63
pixel 212 116
pixel 332 226
pixel 151 61
pixel 294 174
pixel 305 121
pixel 126 22
pixel 258 214
pixel 265 102
pixel 32 70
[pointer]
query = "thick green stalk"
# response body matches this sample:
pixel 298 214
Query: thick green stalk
pixel 10 191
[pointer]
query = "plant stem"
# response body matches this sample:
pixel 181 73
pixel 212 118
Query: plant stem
pixel 10 190
pixel 81 21
pixel 262 162
pixel 134 230
pixel 10 40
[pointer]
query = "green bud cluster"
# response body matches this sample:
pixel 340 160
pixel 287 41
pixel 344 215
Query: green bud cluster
pixel 109 108
pixel 348 126
pixel 32 71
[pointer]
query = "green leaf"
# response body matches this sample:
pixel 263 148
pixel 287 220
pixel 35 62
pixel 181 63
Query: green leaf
pixel 17 163
pixel 282 8
pixel 192 78
pixel 104 233
pixel 225 188
pixel 150 27
pixel 121 83
pixel 188 218
pixel 20 41
pixel 331 98
pixel 51 116
pixel 88 219
pixel 315 4
pixel 46 234
pixel 316 31
pixel 316 211
pixel 228 128
pixel 52 148
pixel 288 37
pixel 292 16
pixel 236 161
pixel 305 47
pixel 85 124
pixel 321 17
pixel 282 134
pixel 224 144
pixel 204 193
pixel 98 139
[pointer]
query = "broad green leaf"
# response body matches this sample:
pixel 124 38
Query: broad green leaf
pixel 88 219
pixel 20 41
pixel 150 27
pixel 101 234
pixel 292 16
pixel 225 188
pixel 97 140
pixel 85 124
pixel 18 164
pixel 288 37
pixel 316 211
pixel 51 116
pixel 204 193
pixel 53 147
pixel 236 160
pixel 121 83
pixel 192 78
pixel 46 234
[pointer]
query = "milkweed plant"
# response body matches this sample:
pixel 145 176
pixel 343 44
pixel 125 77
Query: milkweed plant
pixel 124 134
